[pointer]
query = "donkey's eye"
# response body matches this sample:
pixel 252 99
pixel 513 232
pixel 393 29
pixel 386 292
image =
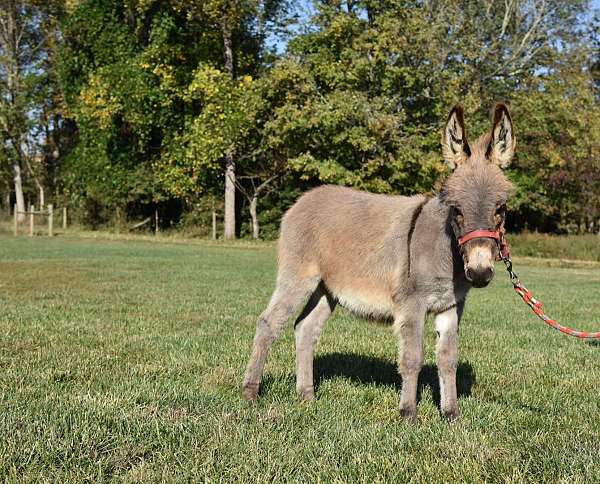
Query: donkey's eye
pixel 458 217
pixel 499 215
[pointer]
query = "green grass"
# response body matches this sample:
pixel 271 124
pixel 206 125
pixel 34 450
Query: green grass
pixel 123 360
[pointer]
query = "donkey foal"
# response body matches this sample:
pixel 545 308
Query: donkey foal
pixel 393 257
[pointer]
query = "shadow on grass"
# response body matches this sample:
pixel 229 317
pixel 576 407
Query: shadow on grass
pixel 378 371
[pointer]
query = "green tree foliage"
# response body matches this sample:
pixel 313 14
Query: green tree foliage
pixel 120 83
pixel 138 78
pixel 557 172
pixel 145 102
pixel 358 100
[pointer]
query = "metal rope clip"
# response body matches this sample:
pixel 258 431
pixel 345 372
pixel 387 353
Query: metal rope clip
pixel 509 266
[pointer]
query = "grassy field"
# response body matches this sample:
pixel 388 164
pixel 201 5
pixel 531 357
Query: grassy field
pixel 123 360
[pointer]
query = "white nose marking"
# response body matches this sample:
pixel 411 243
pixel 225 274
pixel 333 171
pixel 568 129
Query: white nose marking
pixel 480 257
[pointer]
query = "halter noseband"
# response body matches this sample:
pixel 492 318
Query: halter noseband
pixel 497 235
pixel 479 234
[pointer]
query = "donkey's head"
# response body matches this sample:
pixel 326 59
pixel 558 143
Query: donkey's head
pixel 477 190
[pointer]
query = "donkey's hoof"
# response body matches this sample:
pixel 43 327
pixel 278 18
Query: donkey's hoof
pixel 250 392
pixel 451 414
pixel 409 414
pixel 306 394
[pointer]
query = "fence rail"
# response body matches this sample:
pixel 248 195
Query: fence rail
pixel 32 212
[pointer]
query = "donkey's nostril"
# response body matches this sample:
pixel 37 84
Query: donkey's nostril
pixel 469 275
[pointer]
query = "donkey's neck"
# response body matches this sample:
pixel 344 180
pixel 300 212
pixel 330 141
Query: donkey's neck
pixel 434 228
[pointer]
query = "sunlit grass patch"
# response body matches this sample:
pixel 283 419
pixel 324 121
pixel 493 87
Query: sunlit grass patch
pixel 123 359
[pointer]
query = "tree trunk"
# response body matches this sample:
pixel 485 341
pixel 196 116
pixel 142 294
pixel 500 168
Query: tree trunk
pixel 229 160
pixel 254 217
pixel 227 48
pixel 10 46
pixel 229 197
pixel 19 190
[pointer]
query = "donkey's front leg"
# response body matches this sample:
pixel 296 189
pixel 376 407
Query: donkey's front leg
pixel 408 325
pixel 446 326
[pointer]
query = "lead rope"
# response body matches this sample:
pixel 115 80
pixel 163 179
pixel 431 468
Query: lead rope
pixel 531 301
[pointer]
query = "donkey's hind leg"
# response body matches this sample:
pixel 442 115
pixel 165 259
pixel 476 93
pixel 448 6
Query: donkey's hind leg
pixel 289 294
pixel 308 328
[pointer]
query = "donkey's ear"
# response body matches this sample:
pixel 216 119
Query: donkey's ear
pixel 502 141
pixel 455 146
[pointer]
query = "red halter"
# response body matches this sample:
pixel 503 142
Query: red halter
pixel 479 234
pixel 497 235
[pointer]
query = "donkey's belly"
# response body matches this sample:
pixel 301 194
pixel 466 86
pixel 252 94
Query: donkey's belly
pixel 367 301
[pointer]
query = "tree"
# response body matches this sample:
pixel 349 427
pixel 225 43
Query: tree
pixel 228 16
pixel 126 70
pixel 237 22
pixel 358 98
pixel 21 47
pixel 124 67
pixel 216 133
pixel 558 164
pixel 158 102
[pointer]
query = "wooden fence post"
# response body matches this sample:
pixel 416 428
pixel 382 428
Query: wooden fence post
pixel 64 224
pixel 50 219
pixel 16 215
pixel 214 225
pixel 31 210
pixel 156 221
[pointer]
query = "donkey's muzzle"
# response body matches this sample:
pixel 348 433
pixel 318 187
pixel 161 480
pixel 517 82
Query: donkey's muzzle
pixel 481 276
